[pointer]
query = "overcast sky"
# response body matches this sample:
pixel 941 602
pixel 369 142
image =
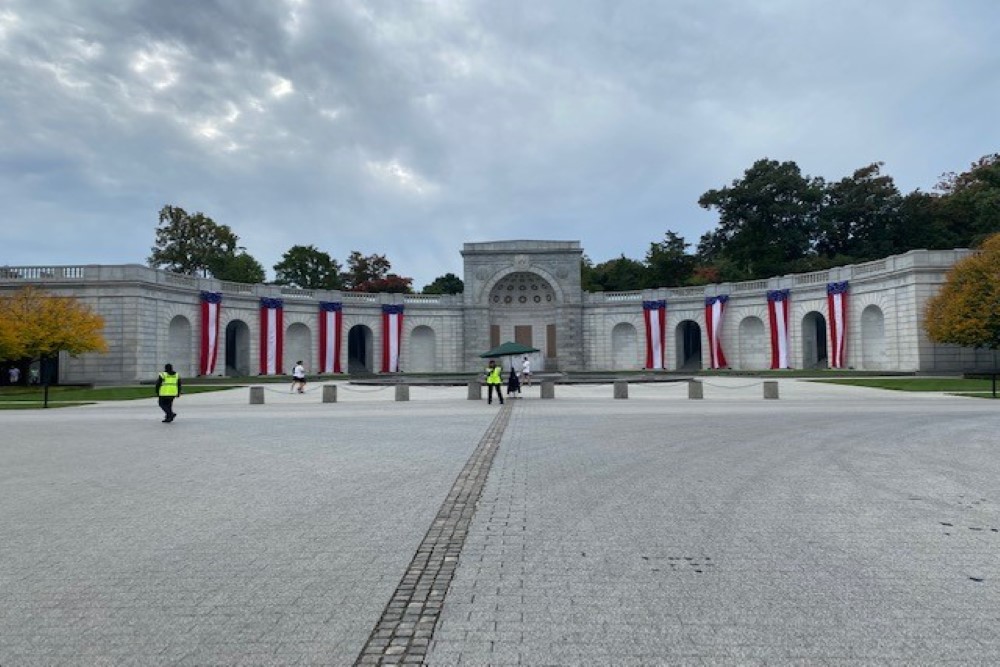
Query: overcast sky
pixel 408 128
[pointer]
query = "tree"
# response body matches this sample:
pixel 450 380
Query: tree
pixel 365 269
pixel 308 268
pixel 619 274
pixel 449 283
pixel 190 243
pixel 966 311
pixel 860 217
pixel 766 219
pixel 241 268
pixel 968 209
pixel 37 326
pixel 391 283
pixel 668 264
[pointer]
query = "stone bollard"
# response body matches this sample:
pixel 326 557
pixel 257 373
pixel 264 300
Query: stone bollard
pixel 256 395
pixel 402 392
pixel 621 389
pixel 548 389
pixel 475 391
pixel 771 389
pixel 695 389
pixel 329 393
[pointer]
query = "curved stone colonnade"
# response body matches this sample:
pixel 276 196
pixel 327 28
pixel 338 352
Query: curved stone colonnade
pixel 525 290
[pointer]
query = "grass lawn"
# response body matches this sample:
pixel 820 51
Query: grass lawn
pixel 30 397
pixel 951 385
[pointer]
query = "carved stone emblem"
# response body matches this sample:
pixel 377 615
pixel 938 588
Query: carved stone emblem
pixel 521 261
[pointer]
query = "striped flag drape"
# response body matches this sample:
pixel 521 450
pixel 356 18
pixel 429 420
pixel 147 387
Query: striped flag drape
pixel 777 312
pixel 836 301
pixel 655 315
pixel 211 306
pixel 330 319
pixel 715 308
pixel 392 334
pixel 271 328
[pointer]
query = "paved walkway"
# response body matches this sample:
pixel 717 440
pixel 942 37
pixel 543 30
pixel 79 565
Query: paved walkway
pixel 836 525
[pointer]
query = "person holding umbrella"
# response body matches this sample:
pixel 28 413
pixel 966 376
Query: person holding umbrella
pixel 513 384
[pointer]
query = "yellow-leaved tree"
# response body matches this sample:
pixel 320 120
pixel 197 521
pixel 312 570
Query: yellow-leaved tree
pixel 966 311
pixel 35 325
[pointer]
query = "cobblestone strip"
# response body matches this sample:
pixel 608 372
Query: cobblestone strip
pixel 404 632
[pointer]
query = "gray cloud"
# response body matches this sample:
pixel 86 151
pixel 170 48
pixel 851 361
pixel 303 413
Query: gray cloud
pixel 409 128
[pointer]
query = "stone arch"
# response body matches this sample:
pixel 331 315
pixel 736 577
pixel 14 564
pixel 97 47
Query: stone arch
pixel 422 343
pixel 298 342
pixel 236 349
pixel 754 345
pixel 551 280
pixel 360 349
pixel 874 351
pixel 180 345
pixel 687 335
pixel 814 343
pixel 625 353
pixel 522 290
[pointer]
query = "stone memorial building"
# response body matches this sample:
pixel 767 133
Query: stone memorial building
pixel 864 316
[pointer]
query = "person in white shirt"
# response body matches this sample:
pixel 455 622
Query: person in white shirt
pixel 299 377
pixel 526 372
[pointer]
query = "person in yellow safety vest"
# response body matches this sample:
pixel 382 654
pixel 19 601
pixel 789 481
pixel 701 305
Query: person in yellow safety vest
pixel 168 387
pixel 493 381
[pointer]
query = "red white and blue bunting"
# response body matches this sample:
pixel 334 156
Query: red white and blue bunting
pixel 777 312
pixel 836 301
pixel 271 328
pixel 211 306
pixel 715 308
pixel 655 315
pixel 392 334
pixel 330 318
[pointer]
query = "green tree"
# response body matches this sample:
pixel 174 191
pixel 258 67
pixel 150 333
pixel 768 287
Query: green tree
pixel 238 268
pixel 966 311
pixel 968 209
pixel 449 283
pixel 190 244
pixel 668 263
pixel 619 274
pixel 308 268
pixel 860 218
pixel 766 219
pixel 365 269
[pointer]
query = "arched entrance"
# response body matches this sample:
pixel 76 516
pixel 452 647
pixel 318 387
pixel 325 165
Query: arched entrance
pixel 359 350
pixel 814 353
pixel 298 346
pixel 754 344
pixel 238 349
pixel 688 345
pixel 179 352
pixel 524 308
pixel 874 355
pixel 422 349
pixel 624 347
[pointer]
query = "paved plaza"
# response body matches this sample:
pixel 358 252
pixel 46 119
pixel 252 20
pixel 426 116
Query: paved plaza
pixel 834 526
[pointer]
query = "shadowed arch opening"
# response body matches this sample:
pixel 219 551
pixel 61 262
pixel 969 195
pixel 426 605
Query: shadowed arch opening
pixel 360 350
pixel 814 352
pixel 754 344
pixel 238 349
pixel 688 345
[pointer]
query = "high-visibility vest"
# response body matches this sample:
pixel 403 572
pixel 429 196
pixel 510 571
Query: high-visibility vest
pixel 493 375
pixel 168 384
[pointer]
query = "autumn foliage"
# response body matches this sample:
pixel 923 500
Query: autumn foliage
pixel 966 311
pixel 37 325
